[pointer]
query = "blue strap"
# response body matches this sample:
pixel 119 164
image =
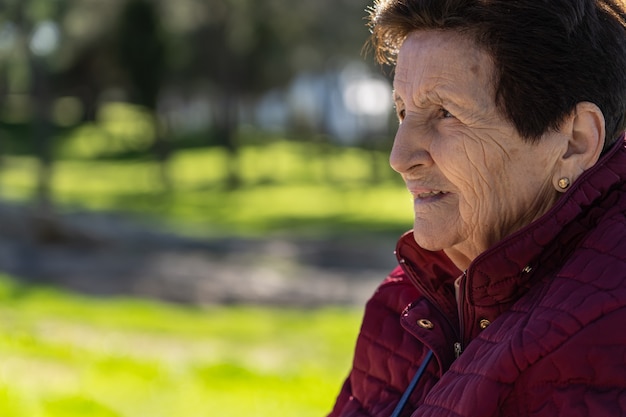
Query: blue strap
pixel 409 390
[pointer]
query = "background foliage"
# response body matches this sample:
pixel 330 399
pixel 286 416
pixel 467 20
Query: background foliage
pixel 212 118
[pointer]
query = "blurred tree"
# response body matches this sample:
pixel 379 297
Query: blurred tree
pixel 36 68
pixel 88 63
pixel 31 40
pixel 240 51
pixel 246 47
pixel 37 38
pixel 141 50
pixel 240 48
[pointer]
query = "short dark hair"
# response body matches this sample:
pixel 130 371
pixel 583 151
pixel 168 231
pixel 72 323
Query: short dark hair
pixel 549 55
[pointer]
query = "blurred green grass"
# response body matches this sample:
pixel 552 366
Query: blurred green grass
pixel 65 355
pixel 287 187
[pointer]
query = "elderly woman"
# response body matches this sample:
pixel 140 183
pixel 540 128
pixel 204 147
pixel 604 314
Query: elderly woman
pixel 510 297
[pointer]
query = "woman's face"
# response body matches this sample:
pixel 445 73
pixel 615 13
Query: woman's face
pixel 473 179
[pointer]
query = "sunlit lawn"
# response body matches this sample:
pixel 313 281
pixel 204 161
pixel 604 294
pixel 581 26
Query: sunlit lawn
pixel 286 187
pixel 62 355
pixel 65 355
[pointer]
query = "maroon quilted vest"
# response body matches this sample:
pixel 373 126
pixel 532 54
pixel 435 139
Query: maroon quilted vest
pixel 542 326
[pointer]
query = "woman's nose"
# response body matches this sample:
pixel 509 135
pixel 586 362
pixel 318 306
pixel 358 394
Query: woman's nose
pixel 409 150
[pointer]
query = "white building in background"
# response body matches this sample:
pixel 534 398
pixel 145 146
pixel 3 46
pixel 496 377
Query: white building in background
pixel 347 105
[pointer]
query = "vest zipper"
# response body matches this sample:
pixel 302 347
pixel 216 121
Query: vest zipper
pixel 458 346
pixel 458 349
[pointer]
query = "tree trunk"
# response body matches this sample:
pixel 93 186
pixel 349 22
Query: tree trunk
pixel 162 151
pixel 42 135
pixel 226 121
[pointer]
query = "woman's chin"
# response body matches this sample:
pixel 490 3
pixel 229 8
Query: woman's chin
pixel 428 241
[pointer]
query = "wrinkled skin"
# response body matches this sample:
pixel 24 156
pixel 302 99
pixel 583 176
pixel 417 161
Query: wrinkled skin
pixel 473 178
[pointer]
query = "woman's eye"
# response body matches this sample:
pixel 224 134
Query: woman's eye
pixel 445 114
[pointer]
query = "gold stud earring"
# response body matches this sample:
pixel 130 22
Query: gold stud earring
pixel 564 183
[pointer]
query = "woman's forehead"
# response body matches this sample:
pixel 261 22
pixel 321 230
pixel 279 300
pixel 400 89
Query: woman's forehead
pixel 443 48
pixel 434 63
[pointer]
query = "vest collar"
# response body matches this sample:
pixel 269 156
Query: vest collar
pixel 500 275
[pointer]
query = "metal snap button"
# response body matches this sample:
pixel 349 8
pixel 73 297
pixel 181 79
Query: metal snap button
pixel 484 323
pixel 425 324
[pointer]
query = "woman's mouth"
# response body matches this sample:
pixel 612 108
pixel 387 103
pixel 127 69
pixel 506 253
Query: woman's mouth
pixel 423 194
pixel 428 194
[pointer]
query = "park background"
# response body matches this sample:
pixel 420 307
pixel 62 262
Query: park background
pixel 195 203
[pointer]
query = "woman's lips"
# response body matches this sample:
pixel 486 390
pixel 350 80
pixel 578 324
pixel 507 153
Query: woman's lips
pixel 427 194
pixel 421 193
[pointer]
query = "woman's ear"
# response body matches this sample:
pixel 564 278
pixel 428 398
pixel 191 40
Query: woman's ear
pixel 585 131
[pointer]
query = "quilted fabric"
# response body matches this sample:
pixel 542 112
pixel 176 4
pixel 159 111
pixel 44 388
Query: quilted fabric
pixel 542 322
